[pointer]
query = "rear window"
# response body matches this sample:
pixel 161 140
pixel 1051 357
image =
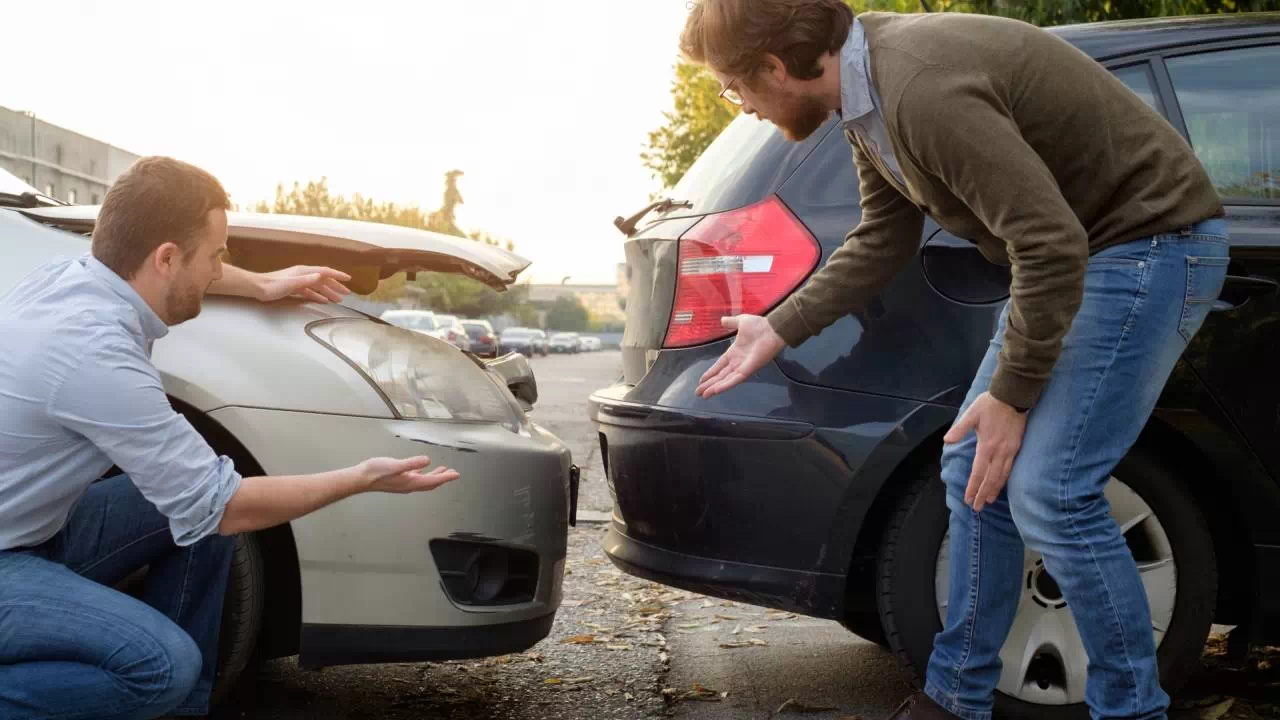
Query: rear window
pixel 475 331
pixel 513 334
pixel 749 160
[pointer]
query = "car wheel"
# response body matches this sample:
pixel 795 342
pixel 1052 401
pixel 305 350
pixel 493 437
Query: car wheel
pixel 241 614
pixel 866 625
pixel 1167 535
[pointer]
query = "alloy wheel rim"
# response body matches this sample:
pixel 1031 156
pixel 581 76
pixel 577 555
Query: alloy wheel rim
pixel 1043 657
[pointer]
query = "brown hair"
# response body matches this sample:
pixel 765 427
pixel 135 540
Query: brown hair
pixel 157 200
pixel 733 36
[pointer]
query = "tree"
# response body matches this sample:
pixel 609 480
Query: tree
pixel 568 314
pixel 442 291
pixel 699 115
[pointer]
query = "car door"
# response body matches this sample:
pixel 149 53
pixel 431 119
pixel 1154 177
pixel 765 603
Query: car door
pixel 1226 100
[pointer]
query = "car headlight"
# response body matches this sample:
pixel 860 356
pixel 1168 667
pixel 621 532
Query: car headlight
pixel 420 377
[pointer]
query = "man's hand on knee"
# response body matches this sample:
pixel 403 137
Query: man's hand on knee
pixel 1000 428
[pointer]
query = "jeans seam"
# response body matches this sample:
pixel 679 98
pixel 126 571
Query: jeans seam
pixel 117 551
pixel 975 577
pixel 1065 479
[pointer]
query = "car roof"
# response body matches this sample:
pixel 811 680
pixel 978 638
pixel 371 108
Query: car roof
pixel 1110 39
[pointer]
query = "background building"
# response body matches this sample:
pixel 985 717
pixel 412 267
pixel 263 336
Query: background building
pixel 58 162
pixel 601 301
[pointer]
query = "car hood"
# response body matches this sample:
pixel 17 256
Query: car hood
pixel 367 251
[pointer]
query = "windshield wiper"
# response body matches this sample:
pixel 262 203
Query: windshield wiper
pixel 628 226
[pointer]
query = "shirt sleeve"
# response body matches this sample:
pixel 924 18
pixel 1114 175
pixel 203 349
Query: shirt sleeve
pixel 884 241
pixel 115 400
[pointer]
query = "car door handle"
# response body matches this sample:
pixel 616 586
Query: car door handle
pixel 1240 289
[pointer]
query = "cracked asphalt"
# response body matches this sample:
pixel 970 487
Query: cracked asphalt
pixel 629 649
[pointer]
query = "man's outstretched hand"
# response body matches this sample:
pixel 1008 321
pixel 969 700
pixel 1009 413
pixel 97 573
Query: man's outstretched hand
pixel 392 475
pixel 755 345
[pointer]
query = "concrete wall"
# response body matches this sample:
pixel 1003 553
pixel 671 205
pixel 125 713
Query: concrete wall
pixel 63 163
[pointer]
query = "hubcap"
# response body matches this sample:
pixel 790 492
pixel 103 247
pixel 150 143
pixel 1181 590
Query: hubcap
pixel 1044 659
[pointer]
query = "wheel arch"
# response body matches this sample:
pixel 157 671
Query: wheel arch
pixel 282 610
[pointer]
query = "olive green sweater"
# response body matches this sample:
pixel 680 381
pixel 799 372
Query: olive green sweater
pixel 1010 137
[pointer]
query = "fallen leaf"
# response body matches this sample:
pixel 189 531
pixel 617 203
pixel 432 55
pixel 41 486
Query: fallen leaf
pixel 736 630
pixel 649 610
pixel 707 604
pixel 619 646
pixel 577 680
pixel 552 681
pixel 794 705
pixel 756 628
pixel 1217 711
pixel 726 617
pixel 581 640
pixel 629 697
pixel 703 694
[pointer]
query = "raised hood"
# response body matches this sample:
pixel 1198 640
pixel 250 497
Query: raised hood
pixel 367 251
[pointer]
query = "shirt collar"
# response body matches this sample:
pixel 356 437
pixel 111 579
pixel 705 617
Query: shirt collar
pixel 153 328
pixel 855 88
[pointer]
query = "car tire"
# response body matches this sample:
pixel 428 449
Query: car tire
pixel 866 625
pixel 907 572
pixel 241 615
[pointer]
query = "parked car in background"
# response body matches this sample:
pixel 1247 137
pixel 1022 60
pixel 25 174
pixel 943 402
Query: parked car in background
pixel 540 341
pixel 565 342
pixel 422 321
pixel 814 487
pixel 527 341
pixel 452 331
pixel 295 387
pixel 484 341
pixel 590 343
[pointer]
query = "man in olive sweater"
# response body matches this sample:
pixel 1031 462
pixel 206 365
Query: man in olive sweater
pixel 1010 137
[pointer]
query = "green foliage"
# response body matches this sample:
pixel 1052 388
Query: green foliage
pixel 445 292
pixel 697 119
pixel 699 115
pixel 567 314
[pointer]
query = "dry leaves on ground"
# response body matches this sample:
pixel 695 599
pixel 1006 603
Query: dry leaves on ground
pixel 698 692
pixel 796 706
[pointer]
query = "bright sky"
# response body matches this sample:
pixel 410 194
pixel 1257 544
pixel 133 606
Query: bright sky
pixel 545 105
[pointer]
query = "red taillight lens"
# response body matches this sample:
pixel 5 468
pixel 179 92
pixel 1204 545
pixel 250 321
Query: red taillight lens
pixel 743 261
pixel 486 339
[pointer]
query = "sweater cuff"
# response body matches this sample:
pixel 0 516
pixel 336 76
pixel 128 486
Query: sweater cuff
pixel 787 321
pixel 1016 390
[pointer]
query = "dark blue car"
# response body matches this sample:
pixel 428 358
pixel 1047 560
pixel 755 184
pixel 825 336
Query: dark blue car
pixel 813 487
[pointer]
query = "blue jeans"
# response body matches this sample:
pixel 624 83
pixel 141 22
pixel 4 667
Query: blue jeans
pixel 1143 301
pixel 71 646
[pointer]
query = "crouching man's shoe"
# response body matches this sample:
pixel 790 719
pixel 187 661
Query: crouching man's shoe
pixel 921 707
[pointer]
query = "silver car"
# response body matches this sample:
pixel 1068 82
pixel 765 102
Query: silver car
pixel 470 570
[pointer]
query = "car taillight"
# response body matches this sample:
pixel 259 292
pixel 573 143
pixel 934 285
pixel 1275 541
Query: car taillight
pixel 486 339
pixel 744 261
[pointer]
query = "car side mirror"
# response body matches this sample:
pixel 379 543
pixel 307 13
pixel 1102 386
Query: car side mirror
pixel 517 375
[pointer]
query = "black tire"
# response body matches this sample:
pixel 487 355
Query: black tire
pixel 907 564
pixel 866 625
pixel 241 615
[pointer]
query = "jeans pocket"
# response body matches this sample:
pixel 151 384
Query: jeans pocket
pixel 1205 276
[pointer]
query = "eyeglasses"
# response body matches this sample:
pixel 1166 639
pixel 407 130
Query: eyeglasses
pixel 730 95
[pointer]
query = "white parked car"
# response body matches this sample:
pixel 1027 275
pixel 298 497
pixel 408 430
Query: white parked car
pixel 294 387
pixel 590 343
pixel 565 342
pixel 445 327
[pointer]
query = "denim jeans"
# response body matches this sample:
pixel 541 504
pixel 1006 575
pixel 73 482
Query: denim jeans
pixel 1143 301
pixel 71 646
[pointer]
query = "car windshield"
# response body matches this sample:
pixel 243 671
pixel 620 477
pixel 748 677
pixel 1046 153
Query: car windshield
pixel 475 330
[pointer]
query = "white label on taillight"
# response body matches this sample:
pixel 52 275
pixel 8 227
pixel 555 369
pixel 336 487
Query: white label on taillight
pixel 682 317
pixel 724 264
